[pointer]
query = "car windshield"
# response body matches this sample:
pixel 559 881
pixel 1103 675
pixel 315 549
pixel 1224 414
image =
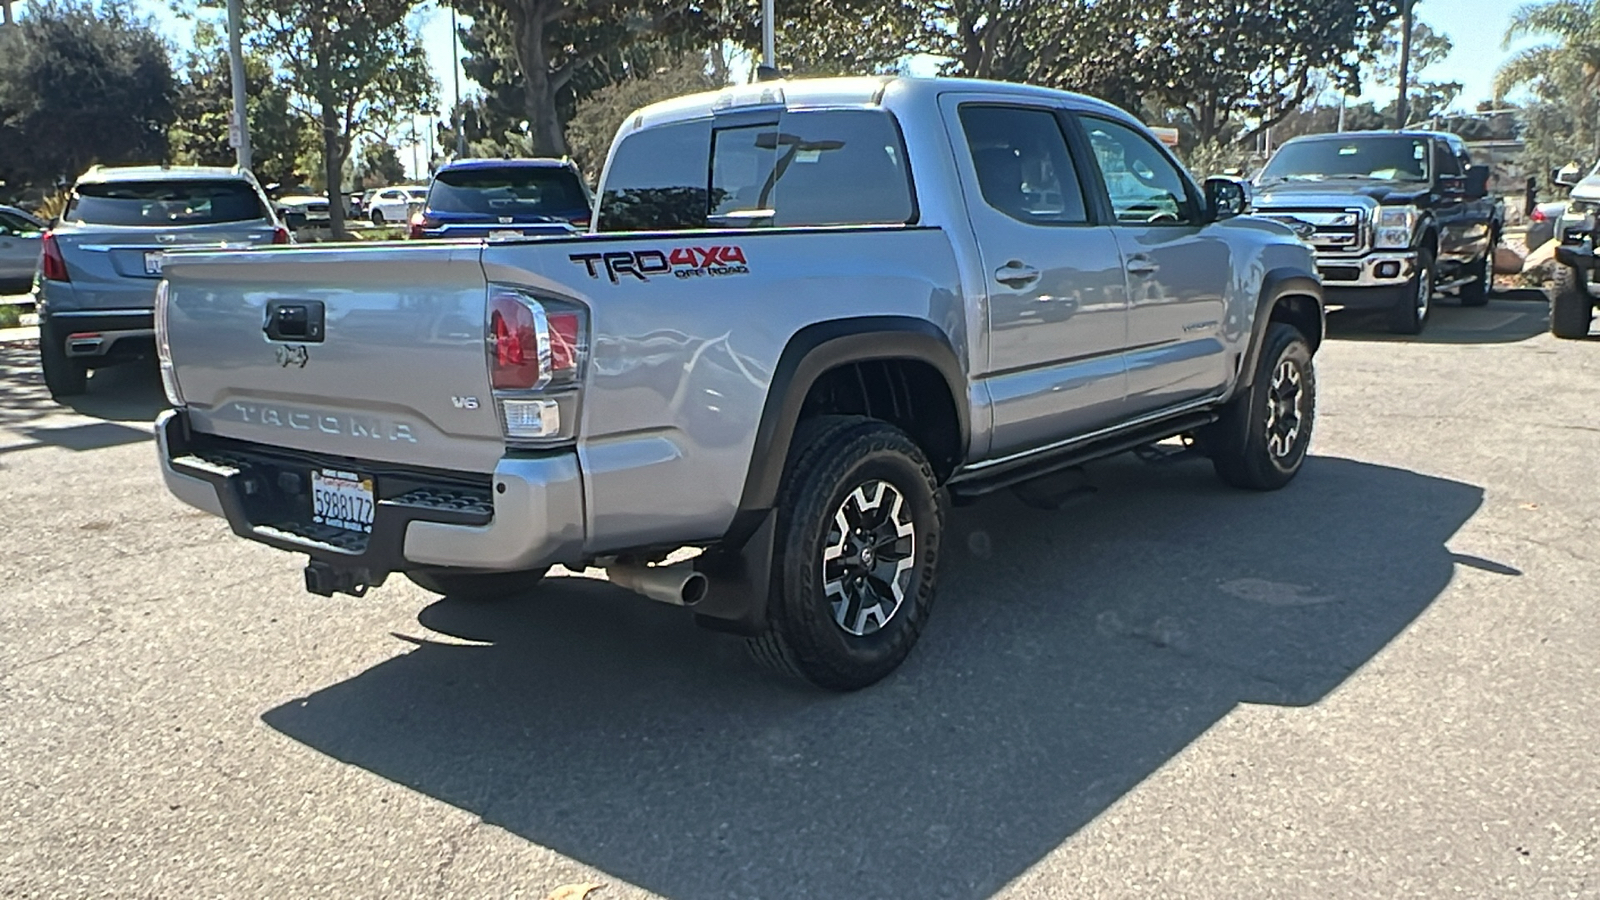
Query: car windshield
pixel 163 204
pixel 509 190
pixel 1385 158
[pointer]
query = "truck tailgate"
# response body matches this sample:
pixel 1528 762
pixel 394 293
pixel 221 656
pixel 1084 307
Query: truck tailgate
pixel 398 374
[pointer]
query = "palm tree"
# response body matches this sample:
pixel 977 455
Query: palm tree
pixel 1572 57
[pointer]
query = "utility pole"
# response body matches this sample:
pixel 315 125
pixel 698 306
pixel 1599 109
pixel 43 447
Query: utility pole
pixel 769 53
pixel 239 134
pixel 1403 107
pixel 5 13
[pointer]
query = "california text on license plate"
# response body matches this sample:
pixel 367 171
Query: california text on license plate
pixel 341 499
pixel 152 262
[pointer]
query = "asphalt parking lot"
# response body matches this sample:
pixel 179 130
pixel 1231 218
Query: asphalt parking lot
pixel 1383 681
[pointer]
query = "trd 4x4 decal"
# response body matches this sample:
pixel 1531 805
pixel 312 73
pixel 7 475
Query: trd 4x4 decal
pixel 681 262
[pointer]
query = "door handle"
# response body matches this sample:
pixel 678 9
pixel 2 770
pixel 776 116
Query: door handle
pixel 1141 265
pixel 1016 274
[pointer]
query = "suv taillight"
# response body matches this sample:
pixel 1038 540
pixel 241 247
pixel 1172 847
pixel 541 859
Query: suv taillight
pixel 536 352
pixel 420 223
pixel 51 263
pixel 280 235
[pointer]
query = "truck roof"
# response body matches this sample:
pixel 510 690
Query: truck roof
pixel 847 91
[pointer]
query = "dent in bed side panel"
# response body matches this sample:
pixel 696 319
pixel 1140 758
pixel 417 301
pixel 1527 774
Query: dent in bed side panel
pixel 680 365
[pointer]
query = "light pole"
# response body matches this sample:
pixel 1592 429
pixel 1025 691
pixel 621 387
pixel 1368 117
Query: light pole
pixel 239 134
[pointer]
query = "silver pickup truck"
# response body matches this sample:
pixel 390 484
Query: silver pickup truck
pixel 807 317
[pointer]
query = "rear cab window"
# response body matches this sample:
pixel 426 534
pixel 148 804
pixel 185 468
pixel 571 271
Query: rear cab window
pixel 165 203
pixel 810 168
pixel 509 191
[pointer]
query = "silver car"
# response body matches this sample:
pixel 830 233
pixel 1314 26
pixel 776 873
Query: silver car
pixel 99 267
pixel 20 237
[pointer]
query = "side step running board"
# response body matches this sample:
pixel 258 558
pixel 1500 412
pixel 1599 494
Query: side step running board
pixel 1000 477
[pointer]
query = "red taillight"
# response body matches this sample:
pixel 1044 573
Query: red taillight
pixel 420 224
pixel 51 263
pixel 280 235
pixel 533 344
pixel 514 341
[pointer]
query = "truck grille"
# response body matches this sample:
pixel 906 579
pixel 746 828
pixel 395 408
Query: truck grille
pixel 1341 231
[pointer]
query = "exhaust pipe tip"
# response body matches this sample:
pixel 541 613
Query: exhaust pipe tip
pixel 677 584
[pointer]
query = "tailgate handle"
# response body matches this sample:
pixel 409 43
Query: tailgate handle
pixel 294 320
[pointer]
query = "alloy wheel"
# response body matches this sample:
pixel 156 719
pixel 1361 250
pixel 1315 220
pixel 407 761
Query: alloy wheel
pixel 868 558
pixel 1285 409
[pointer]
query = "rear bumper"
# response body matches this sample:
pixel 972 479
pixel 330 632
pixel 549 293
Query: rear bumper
pixel 529 513
pixel 104 335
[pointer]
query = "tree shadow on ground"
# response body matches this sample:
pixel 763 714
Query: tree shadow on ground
pixel 130 392
pixel 1070 655
pixel 1510 317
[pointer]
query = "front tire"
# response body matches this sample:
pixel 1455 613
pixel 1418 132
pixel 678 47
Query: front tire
pixel 859 524
pixel 1261 440
pixel 1410 315
pixel 465 584
pixel 1476 292
pixel 1571 307
pixel 63 375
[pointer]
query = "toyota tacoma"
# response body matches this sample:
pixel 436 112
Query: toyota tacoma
pixel 807 317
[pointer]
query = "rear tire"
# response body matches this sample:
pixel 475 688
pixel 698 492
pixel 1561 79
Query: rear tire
pixel 465 584
pixel 1571 306
pixel 1261 440
pixel 859 523
pixel 377 217
pixel 63 375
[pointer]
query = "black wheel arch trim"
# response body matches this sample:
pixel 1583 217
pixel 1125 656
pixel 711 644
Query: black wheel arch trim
pixel 1276 285
pixel 814 350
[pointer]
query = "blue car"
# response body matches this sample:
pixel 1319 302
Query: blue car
pixel 494 198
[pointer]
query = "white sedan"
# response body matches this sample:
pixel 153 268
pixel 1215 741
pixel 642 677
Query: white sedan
pixel 392 205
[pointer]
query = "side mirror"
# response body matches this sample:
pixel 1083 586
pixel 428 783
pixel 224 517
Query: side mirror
pixel 1477 182
pixel 1566 176
pixel 1226 198
pixel 1453 185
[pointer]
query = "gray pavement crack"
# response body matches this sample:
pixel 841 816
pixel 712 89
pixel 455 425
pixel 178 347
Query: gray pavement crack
pixel 59 653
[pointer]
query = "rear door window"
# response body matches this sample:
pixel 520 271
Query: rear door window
pixel 509 191
pixel 811 168
pixel 165 204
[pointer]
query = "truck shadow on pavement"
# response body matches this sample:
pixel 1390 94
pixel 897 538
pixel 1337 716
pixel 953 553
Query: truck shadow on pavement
pixel 1511 316
pixel 1071 654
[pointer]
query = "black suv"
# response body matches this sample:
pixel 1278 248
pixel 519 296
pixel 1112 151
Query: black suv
pixel 1395 216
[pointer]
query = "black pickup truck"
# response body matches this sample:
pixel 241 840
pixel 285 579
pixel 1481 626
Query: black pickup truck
pixel 1394 216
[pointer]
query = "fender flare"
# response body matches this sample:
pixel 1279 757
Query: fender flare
pixel 815 349
pixel 1276 285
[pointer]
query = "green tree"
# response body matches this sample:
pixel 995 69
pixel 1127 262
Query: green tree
pixel 559 44
pixel 82 83
pixel 380 165
pixel 356 67
pixel 598 117
pixel 1564 72
pixel 199 136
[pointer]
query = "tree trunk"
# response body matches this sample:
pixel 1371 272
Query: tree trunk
pixel 1403 106
pixel 544 123
pixel 333 168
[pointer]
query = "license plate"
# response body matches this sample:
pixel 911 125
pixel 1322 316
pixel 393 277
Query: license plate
pixel 152 262
pixel 342 499
pixel 504 235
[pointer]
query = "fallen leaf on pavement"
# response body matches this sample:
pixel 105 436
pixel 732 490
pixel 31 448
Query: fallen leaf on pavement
pixel 574 891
